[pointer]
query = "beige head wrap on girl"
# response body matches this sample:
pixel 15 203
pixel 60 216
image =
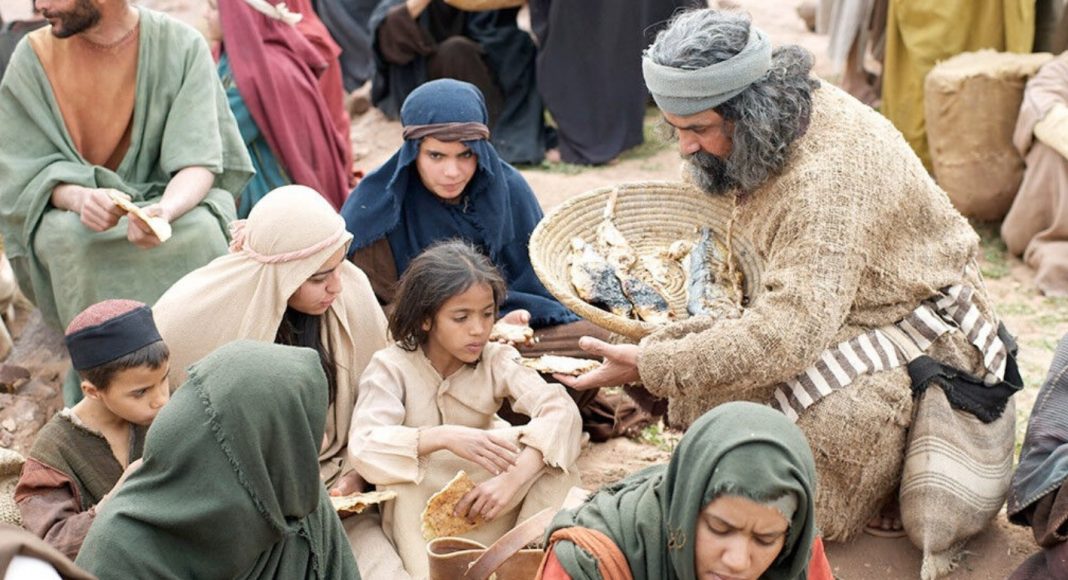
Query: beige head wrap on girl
pixel 287 237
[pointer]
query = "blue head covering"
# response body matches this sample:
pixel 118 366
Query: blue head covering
pixel 497 210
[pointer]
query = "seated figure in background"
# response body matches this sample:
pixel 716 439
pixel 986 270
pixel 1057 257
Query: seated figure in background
pixel 270 73
pixel 1036 226
pixel 420 40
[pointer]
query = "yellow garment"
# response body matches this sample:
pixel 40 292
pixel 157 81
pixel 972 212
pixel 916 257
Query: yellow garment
pixel 401 392
pixel 920 33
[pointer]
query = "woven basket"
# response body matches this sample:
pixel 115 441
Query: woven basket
pixel 483 5
pixel 651 215
pixel 10 467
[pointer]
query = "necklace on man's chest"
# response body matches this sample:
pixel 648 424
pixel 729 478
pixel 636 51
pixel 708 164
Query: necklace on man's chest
pixel 113 44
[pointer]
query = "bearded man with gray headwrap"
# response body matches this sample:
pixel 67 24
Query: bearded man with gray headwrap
pixel 866 264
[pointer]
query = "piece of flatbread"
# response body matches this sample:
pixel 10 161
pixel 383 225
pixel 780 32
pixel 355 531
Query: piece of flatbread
pixel 438 519
pixel 159 226
pixel 357 502
pixel 561 365
pixel 518 334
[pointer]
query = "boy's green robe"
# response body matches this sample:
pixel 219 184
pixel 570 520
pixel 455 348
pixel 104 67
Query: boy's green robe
pixel 181 119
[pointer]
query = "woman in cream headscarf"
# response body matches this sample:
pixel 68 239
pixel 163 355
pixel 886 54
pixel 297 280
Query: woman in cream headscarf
pixel 282 282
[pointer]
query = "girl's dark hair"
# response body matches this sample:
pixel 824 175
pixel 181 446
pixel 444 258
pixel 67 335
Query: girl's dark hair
pixel 300 329
pixel 442 271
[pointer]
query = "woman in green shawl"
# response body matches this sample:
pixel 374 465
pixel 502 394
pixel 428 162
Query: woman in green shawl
pixel 230 486
pixel 736 501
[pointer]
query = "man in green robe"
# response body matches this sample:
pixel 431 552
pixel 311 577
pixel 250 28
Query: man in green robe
pixel 109 101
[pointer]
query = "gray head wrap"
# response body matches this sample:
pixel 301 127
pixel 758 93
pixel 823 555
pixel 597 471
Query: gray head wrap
pixel 785 504
pixel 690 91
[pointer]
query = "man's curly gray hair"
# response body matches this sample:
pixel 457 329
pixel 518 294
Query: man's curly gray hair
pixel 767 117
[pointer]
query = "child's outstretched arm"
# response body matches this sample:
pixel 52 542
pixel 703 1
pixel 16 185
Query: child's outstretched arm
pixel 555 427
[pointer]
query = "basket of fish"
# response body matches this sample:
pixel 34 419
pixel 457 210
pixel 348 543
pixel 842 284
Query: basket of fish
pixel 637 256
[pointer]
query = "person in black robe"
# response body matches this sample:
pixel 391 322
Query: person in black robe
pixel 349 24
pixel 416 41
pixel 590 70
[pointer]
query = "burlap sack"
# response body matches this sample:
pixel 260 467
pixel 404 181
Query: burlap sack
pixel 956 476
pixel 971 102
pixel 10 469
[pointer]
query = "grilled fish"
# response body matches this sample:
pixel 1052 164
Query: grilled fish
pixel 660 264
pixel 611 242
pixel 648 303
pixel 702 288
pixel 595 280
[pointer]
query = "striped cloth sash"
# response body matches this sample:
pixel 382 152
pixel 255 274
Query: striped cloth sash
pixel 894 345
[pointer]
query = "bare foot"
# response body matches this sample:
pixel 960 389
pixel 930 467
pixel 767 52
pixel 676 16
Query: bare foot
pixel 888 522
pixel 552 155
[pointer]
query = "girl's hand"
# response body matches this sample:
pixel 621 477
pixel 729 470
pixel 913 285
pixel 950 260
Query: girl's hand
pixel 492 452
pixel 518 317
pixel 489 498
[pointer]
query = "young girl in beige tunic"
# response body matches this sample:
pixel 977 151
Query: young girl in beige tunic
pixel 427 408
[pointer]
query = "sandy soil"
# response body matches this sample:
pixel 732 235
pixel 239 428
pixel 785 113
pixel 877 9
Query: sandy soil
pixel 994 554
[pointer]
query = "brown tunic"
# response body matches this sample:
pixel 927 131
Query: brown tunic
pixel 69 470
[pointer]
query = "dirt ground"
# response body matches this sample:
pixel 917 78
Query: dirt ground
pixel 1037 321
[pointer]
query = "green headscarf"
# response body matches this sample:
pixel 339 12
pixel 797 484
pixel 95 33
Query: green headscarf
pixel 740 449
pixel 230 483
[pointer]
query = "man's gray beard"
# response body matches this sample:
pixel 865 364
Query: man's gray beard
pixel 710 173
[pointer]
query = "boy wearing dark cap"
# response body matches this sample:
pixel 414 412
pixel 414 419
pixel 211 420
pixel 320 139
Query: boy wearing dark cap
pixel 84 452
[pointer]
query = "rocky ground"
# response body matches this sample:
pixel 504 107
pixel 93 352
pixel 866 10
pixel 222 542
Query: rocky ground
pixel 1037 321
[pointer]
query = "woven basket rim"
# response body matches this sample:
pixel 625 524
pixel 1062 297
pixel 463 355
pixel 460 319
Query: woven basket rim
pixel 556 218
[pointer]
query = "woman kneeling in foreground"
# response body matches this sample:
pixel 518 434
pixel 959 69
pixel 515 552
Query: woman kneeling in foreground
pixel 230 486
pixel 736 501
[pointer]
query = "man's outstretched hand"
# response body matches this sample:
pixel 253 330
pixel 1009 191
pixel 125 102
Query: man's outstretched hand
pixel 620 365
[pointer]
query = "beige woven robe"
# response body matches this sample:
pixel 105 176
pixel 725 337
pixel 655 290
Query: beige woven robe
pixel 854 234
pixel 401 392
pixel 1036 226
